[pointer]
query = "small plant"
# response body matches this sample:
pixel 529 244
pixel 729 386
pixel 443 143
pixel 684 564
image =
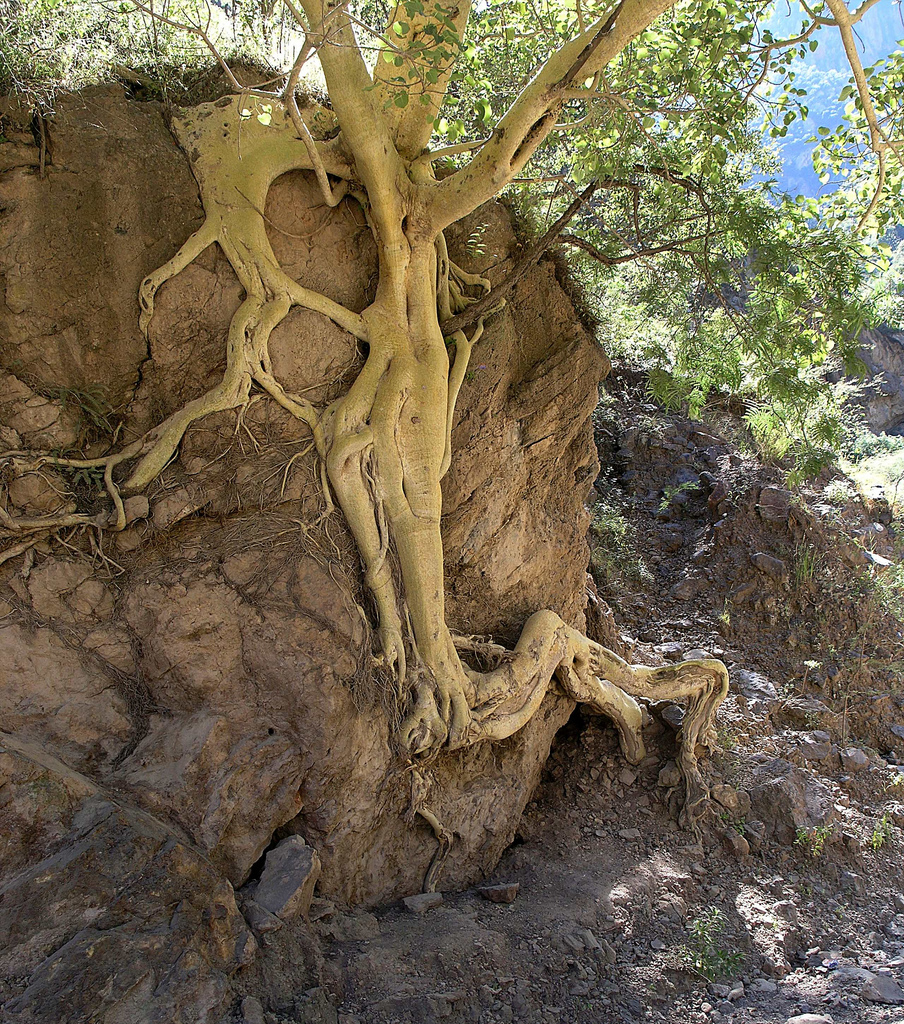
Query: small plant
pixel 805 565
pixel 725 614
pixel 95 415
pixel 726 738
pixel 837 493
pixel 883 831
pixel 738 824
pixel 613 548
pixel 707 955
pixel 813 840
pixel 476 244
pixel 669 494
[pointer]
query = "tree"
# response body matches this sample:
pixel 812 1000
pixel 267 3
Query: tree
pixel 385 445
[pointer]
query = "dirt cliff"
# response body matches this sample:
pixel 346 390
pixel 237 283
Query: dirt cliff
pixel 179 697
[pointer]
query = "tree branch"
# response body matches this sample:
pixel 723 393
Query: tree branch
pixel 533 115
pixel 492 300
pixel 880 143
pixel 636 254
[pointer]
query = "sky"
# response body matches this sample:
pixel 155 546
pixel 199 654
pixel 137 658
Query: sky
pixel 824 74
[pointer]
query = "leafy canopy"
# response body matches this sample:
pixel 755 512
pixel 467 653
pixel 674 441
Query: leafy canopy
pixel 688 253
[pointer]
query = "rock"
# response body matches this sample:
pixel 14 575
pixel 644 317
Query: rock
pixel 762 987
pixel 232 779
pixel 810 1018
pixel 670 775
pixel 853 882
pixel 727 796
pixel 503 893
pixel 689 587
pixel 626 777
pixel 582 941
pixel 773 567
pixel 52 695
pixel 252 1011
pixel 672 538
pixel 850 975
pixel 735 843
pixel 882 988
pixel 759 691
pixel 853 759
pixel 787 799
pixel 42 422
pixel 260 920
pixel 802 713
pixel 104 902
pixel 44 492
pixel 774 504
pixel 136 507
pixel 671 651
pixel 421 902
pixel 785 910
pixel 745 593
pixel 631 834
pixel 291 870
pixel 673 715
pixel 697 654
pixel 717 495
pixel 314 1007
pixel 813 750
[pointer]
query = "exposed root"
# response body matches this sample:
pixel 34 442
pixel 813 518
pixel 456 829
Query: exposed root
pixel 421 783
pixel 552 657
pixel 227 174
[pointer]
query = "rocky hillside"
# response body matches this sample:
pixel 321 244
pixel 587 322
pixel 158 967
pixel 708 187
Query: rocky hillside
pixel 789 907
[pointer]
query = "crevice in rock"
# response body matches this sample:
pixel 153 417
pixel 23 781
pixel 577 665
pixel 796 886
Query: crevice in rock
pixel 257 868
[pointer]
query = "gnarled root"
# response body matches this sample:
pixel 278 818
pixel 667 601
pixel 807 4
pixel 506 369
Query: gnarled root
pixel 421 784
pixel 552 656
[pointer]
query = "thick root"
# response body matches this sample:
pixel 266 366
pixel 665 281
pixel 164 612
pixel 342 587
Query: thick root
pixel 552 657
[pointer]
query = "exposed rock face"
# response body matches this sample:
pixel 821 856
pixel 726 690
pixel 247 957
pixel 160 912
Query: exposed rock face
pixel 882 350
pixel 107 912
pixel 211 688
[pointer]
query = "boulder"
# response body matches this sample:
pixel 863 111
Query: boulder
pixel 421 902
pixel 882 988
pixel 759 690
pixel 786 799
pixel 774 504
pixel 113 915
pixel 286 887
